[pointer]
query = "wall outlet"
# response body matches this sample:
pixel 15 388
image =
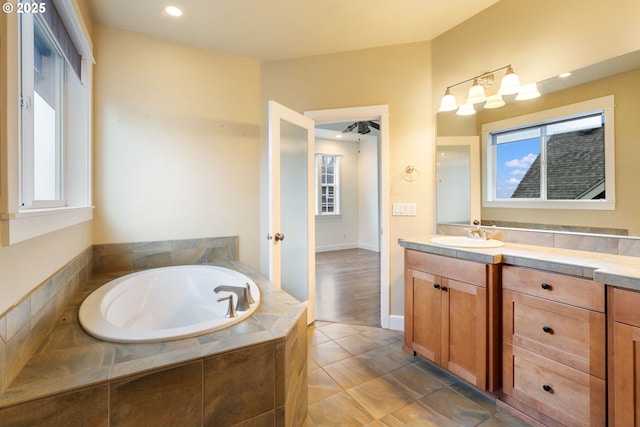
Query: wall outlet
pixel 404 209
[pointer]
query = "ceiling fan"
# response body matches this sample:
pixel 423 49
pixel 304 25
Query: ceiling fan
pixel 363 127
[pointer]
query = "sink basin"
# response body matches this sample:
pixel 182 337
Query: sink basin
pixel 465 242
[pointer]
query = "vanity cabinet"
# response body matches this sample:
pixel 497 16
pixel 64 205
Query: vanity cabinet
pixel 448 306
pixel 554 347
pixel 624 357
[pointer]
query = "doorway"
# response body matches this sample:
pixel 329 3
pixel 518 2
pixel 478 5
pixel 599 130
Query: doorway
pixel 353 268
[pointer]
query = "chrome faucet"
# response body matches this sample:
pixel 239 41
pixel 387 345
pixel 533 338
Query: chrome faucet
pixel 242 294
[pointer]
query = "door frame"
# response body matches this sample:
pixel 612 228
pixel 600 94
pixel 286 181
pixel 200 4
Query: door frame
pixel 381 113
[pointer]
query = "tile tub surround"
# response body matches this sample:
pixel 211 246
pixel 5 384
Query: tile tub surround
pixel 127 257
pixel 24 326
pixel 254 372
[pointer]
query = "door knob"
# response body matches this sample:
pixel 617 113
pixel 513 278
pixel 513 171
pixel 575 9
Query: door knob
pixel 279 237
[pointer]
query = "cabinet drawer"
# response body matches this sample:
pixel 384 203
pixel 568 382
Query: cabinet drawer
pixel 557 287
pixel 567 334
pixel 567 395
pixel 453 268
pixel 625 306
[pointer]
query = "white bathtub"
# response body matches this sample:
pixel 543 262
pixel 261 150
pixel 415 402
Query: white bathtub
pixel 163 304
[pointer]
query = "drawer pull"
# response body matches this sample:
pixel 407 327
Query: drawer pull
pixel 547 388
pixel 445 289
pixel 435 285
pixel 546 286
pixel 547 329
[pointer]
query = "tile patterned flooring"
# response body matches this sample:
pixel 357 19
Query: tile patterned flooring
pixel 359 376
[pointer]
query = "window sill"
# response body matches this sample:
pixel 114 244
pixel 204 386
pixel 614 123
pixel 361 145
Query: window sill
pixel 552 204
pixel 23 225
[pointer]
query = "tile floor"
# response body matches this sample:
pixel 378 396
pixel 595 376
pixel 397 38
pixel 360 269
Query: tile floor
pixel 359 376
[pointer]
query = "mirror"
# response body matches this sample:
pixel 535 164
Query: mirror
pixel 618 76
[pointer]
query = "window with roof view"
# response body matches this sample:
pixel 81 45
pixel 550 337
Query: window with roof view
pixel 561 161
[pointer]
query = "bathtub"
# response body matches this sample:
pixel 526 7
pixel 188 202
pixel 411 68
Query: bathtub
pixel 164 304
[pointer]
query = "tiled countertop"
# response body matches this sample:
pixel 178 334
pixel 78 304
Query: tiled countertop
pixel 69 358
pixel 617 270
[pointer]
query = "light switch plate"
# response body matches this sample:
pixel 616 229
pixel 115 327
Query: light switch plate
pixel 404 209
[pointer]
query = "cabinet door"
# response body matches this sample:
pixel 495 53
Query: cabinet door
pixel 464 345
pixel 626 364
pixel 427 315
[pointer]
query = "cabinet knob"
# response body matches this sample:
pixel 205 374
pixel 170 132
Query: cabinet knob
pixel 547 329
pixel 444 288
pixel 435 285
pixel 547 388
pixel 546 286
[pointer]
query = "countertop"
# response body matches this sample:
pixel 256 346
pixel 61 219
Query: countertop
pixel 616 270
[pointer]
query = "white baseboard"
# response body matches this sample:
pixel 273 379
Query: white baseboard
pixel 373 248
pixel 343 246
pixel 396 323
pixel 338 247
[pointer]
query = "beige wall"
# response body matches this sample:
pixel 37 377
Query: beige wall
pixel 398 76
pixel 175 142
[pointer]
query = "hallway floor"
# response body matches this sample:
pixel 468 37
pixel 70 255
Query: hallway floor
pixel 359 376
pixel 348 286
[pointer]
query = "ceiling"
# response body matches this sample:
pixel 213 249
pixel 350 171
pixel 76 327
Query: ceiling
pixel 269 30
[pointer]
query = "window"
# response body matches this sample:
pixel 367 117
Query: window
pixel 43 70
pixel 561 158
pixel 327 184
pixel 47 61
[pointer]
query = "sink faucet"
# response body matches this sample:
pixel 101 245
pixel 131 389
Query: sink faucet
pixel 476 232
pixel 242 294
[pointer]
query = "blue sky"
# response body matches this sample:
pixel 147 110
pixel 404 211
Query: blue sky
pixel 513 161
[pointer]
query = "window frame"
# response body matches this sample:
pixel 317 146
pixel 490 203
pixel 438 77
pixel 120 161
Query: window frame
pixel 28 198
pixel 319 185
pixel 17 224
pixel 489 168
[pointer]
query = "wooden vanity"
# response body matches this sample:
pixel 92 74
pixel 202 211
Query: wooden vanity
pixel 447 321
pixel 557 344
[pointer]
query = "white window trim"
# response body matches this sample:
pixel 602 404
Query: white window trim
pixel 336 186
pixel 16 225
pixel 605 104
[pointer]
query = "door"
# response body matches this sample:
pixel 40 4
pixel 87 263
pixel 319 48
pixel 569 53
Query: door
pixel 427 315
pixel 291 204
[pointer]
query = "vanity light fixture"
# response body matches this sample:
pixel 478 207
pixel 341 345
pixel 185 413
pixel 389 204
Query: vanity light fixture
pixel 509 85
pixel 466 110
pixel 173 11
pixel 528 91
pixel 494 101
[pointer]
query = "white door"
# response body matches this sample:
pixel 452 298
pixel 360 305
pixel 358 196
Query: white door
pixel 291 204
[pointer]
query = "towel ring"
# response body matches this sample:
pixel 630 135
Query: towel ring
pixel 410 174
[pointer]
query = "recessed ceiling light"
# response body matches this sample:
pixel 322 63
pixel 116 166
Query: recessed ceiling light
pixel 173 11
pixel 339 135
pixel 563 75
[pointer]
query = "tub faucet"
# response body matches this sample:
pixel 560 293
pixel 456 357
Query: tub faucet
pixel 241 292
pixel 231 312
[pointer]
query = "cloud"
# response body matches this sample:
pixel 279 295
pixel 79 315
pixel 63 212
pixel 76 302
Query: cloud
pixel 522 163
pixel 516 172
